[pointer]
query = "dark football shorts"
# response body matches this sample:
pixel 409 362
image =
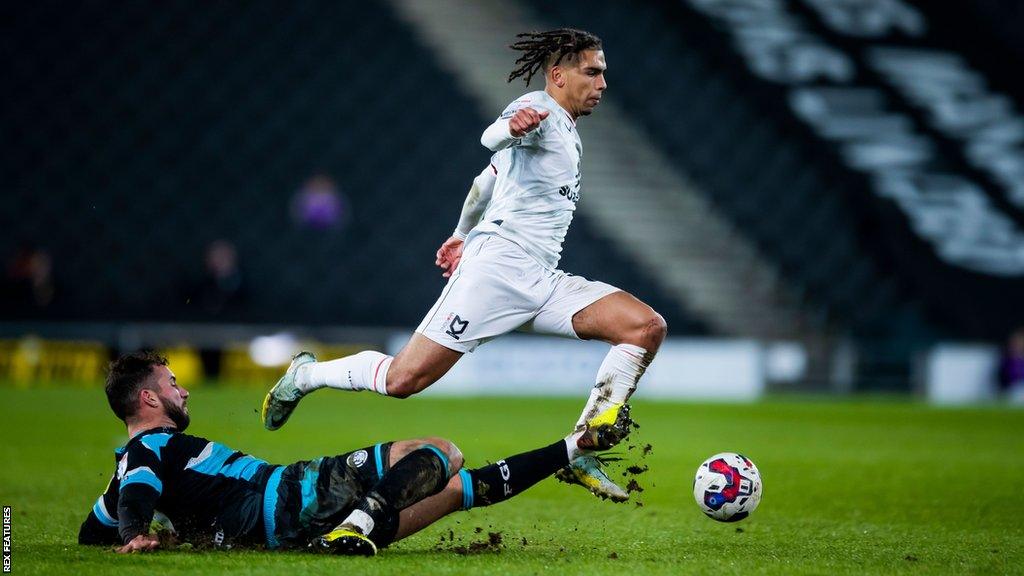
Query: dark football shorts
pixel 310 498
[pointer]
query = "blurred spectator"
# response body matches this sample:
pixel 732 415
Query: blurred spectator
pixel 222 289
pixel 319 205
pixel 29 286
pixel 1011 368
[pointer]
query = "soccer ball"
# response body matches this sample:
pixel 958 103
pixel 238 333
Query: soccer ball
pixel 727 487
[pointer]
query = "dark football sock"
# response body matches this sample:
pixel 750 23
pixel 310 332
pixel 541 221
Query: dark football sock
pixel 506 478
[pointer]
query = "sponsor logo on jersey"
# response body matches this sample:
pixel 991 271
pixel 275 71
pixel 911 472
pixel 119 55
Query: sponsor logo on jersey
pixel 569 193
pixel 358 458
pixel 456 326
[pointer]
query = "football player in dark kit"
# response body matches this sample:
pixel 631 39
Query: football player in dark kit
pixel 351 503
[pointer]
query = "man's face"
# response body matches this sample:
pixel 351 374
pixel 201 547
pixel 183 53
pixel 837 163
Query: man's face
pixel 585 82
pixel 172 396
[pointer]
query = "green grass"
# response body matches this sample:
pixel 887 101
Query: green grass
pixel 866 487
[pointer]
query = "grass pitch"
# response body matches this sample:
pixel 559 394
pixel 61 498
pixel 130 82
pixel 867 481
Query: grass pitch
pixel 864 487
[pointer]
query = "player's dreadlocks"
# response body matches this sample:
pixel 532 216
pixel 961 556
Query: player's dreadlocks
pixel 542 49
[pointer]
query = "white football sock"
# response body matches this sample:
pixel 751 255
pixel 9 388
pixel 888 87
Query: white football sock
pixel 571 448
pixel 363 371
pixel 360 520
pixel 616 380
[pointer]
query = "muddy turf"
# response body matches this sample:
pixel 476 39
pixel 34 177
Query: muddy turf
pixel 876 486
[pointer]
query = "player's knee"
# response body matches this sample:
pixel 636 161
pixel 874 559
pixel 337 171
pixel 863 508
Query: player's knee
pixel 404 383
pixel 656 328
pixel 451 451
pixel 647 330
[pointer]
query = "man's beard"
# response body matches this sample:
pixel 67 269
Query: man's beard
pixel 177 414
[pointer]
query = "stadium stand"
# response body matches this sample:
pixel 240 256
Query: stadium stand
pixel 141 135
pixel 715 93
pixel 739 137
pixel 139 139
pixel 744 160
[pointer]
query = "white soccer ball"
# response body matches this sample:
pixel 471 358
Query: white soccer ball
pixel 727 487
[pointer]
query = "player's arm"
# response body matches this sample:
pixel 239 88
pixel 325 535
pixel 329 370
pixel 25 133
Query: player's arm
pixel 450 252
pixel 476 202
pixel 100 526
pixel 516 123
pixel 141 486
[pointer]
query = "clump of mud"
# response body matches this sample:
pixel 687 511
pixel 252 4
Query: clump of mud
pixel 494 543
pixel 636 469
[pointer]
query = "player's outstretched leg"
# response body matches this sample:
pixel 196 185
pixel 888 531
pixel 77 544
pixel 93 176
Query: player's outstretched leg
pixel 417 490
pixel 363 371
pixel 635 331
pixel 421 363
pixel 497 482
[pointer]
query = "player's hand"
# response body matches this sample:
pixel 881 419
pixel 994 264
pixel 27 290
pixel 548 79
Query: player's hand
pixel 524 121
pixel 141 543
pixel 449 255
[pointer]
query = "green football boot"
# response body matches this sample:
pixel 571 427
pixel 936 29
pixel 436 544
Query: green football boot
pixel 285 395
pixel 588 472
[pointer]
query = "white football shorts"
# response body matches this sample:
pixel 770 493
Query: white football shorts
pixel 498 288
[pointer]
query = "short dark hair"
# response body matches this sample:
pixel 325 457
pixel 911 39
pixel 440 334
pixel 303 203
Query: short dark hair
pixel 126 376
pixel 545 49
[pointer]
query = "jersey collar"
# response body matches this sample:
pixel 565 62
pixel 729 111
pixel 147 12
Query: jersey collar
pixel 139 435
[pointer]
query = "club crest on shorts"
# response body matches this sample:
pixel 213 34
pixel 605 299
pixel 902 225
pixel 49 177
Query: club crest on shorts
pixel 357 458
pixel 456 326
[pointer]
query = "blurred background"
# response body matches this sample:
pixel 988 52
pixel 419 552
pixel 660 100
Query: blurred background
pixel 818 195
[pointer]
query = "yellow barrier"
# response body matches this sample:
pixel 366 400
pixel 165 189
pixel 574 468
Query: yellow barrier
pixel 185 363
pixel 32 361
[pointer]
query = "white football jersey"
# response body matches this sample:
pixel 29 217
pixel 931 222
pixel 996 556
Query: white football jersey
pixel 538 181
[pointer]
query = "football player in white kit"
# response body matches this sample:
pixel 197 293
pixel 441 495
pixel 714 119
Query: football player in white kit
pixel 502 262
